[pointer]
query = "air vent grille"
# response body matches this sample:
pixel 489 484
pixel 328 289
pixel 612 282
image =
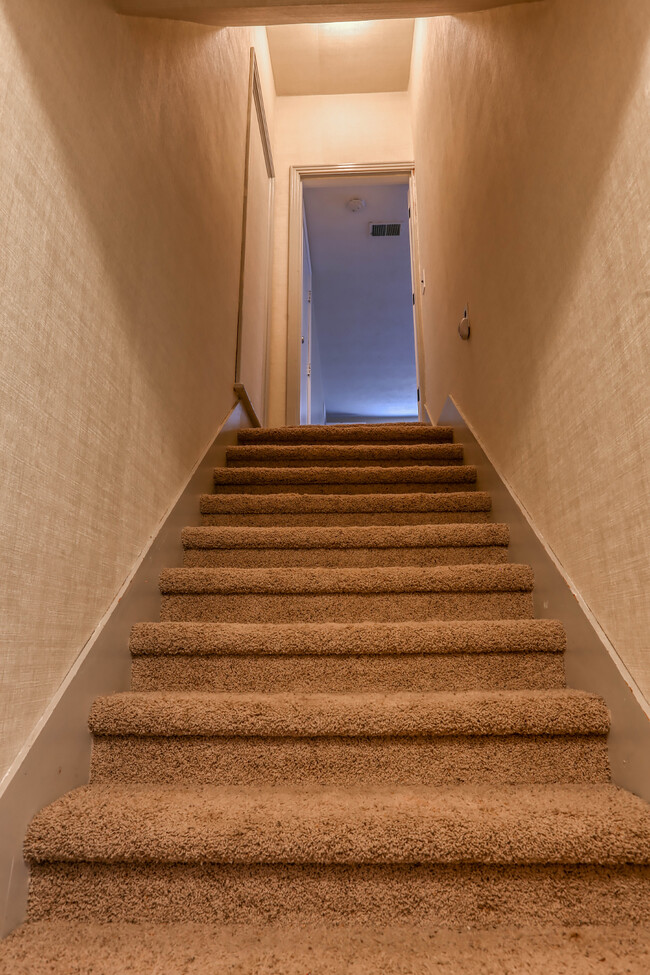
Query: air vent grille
pixel 385 229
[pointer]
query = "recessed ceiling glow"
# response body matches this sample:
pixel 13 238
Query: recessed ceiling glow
pixel 346 26
pixel 335 59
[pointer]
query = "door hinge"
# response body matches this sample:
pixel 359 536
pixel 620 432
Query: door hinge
pixel 309 368
pixel 413 298
pixel 309 297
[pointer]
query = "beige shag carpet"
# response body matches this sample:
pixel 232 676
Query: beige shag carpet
pixel 348 747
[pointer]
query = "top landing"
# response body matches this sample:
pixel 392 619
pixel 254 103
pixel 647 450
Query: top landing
pixel 348 433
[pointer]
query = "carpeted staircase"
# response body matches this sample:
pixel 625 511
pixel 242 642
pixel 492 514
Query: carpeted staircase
pixel 348 746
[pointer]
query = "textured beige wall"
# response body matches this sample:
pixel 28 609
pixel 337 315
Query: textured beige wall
pixel 532 149
pixel 121 187
pixel 324 130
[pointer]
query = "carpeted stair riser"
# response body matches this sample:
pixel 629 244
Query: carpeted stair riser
pixel 361 558
pixel 349 510
pixel 342 607
pixel 358 455
pixel 349 433
pixel 344 480
pixel 420 536
pixel 341 674
pixel 347 595
pixel 428 486
pixel 374 639
pixel 326 519
pixel 339 658
pixel 352 547
pixel 348 949
pixel 507 759
pixel 350 739
pixel 444 895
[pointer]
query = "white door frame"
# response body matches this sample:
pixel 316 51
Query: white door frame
pixel 307 254
pixel 294 305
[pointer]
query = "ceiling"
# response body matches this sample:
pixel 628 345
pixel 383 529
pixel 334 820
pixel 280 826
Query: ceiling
pixel 362 302
pixel 337 59
pixel 235 13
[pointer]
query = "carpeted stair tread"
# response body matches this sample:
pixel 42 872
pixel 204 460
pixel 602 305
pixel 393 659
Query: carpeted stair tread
pixel 470 501
pixel 306 455
pixel 428 637
pixel 77 948
pixel 551 824
pixel 547 712
pixel 456 474
pixel 381 536
pixel 454 579
pixel 357 433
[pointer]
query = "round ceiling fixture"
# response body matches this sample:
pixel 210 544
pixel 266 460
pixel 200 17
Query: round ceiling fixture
pixel 355 204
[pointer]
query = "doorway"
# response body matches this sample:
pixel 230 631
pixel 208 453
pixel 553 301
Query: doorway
pixel 354 349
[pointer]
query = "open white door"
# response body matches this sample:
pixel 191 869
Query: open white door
pixel 418 284
pixel 305 330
